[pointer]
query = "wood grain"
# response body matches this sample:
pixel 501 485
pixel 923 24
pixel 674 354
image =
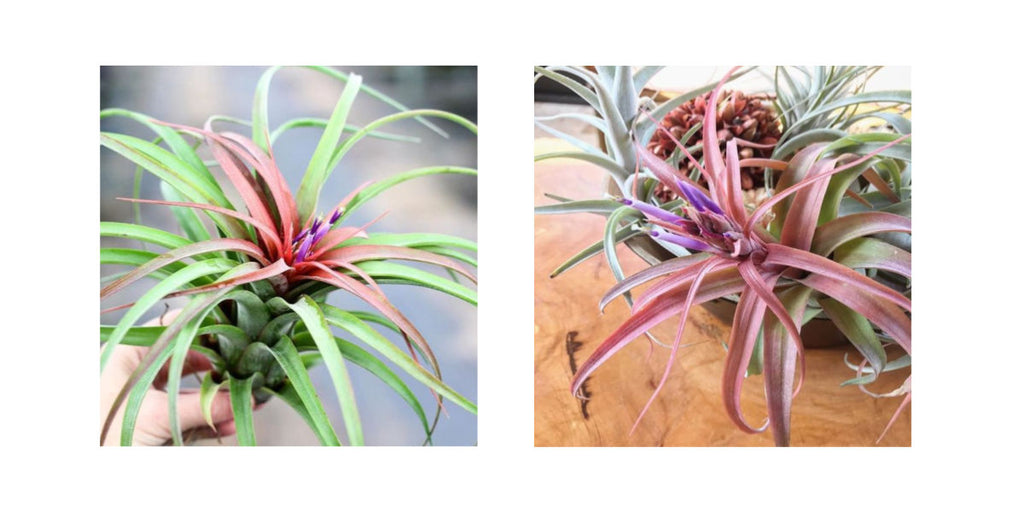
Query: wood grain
pixel 689 409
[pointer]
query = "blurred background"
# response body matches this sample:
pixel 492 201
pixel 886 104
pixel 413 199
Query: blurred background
pixel 441 204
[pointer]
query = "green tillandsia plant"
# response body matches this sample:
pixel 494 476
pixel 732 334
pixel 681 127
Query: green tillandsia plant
pixel 833 238
pixel 623 115
pixel 257 271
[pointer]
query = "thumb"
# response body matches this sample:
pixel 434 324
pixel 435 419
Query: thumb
pixel 190 410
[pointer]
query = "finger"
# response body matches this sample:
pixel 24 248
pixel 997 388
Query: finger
pixel 224 429
pixel 194 362
pixel 190 412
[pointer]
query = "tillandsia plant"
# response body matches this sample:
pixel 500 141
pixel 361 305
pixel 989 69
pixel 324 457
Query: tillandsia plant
pixel 256 263
pixel 832 238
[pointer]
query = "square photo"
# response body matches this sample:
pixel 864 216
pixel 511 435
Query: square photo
pixel 288 255
pixel 722 256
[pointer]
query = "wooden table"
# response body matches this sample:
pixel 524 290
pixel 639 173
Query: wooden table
pixel 689 410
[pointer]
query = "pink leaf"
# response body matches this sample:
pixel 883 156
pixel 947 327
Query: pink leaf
pixel 745 324
pixel 782 255
pixel 224 244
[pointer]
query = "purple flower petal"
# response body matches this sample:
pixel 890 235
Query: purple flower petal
pixel 652 211
pixel 320 232
pixel 300 236
pixel 303 250
pixel 693 245
pixel 697 198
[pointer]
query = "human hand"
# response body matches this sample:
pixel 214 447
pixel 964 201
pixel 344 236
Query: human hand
pixel 153 426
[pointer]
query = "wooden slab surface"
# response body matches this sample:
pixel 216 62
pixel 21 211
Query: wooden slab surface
pixel 689 409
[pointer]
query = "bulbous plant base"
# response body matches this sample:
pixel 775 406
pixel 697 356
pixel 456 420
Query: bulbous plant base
pixel 244 349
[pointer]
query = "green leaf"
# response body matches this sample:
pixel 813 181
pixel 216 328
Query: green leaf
pixel 320 163
pixel 260 117
pixel 588 148
pixel 169 168
pixel 865 143
pixel 620 236
pixel 806 139
pixel 182 343
pixel 613 167
pixel 374 93
pixel 364 359
pixel 241 407
pixel 187 218
pixel 858 330
pixel 416 240
pixel 315 122
pixel 375 340
pixel 601 206
pixel 610 234
pixel 373 190
pixel 856 99
pixel 644 75
pixel 288 357
pixel 180 332
pixel 145 376
pixel 314 186
pixel 154 295
pixel 231 341
pixel 451 253
pixel 576 87
pixel 174 140
pixel 313 318
pixel 252 314
pixel 594 121
pixel 414 276
pixel 136 336
pixel 207 392
pixel 143 234
pixel 278 326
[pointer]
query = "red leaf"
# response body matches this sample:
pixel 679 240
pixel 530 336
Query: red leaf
pixel 223 244
pixel 802 217
pixel 840 230
pixel 715 285
pixel 380 304
pixel 767 205
pixel 645 275
pixel 745 324
pixel 819 265
pixel 268 230
pixel 882 313
pixel 359 253
pixel 703 270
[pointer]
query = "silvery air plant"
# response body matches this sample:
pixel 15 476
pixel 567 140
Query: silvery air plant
pixel 256 283
pixel 821 243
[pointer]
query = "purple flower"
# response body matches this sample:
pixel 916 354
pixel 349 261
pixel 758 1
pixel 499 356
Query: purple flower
pixel 697 198
pixel 653 211
pixel 689 243
pixel 303 251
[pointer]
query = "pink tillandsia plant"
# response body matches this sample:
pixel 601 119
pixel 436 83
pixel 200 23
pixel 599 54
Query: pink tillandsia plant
pixel 787 252
pixel 257 285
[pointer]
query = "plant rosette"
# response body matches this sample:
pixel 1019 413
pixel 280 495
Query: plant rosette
pixel 256 272
pixel 833 237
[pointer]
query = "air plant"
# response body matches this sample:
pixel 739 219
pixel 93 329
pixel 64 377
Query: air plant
pixel 257 283
pixel 793 254
pixel 842 201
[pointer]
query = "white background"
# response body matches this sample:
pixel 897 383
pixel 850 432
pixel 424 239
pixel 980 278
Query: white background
pixel 966 411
